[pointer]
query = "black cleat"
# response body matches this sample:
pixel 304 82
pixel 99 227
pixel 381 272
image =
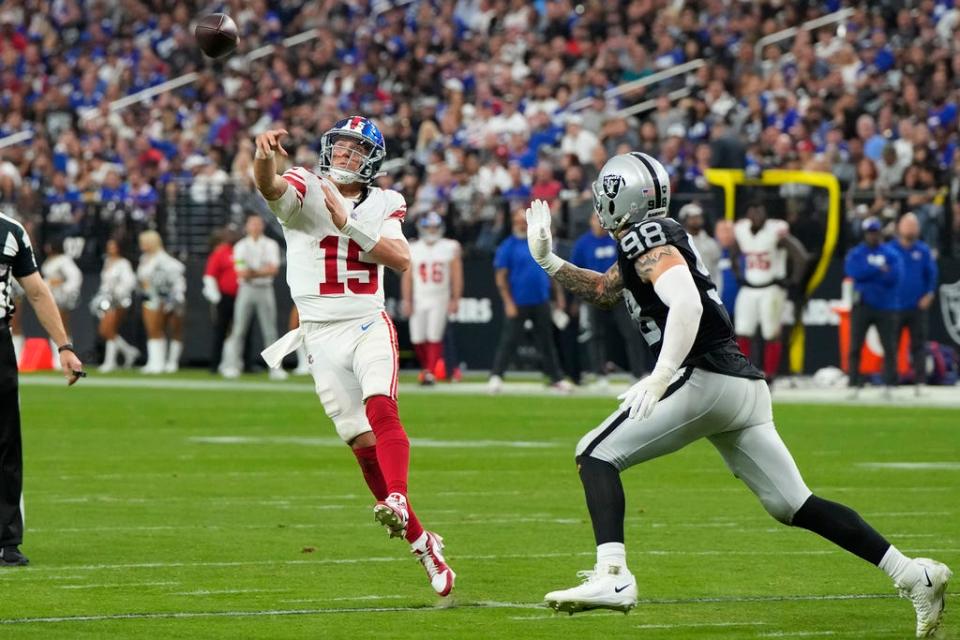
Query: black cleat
pixel 11 557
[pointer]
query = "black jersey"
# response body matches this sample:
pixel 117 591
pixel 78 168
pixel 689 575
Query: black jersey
pixel 715 348
pixel 16 260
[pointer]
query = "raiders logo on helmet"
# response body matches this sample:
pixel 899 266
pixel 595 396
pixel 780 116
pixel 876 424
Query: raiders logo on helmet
pixel 611 185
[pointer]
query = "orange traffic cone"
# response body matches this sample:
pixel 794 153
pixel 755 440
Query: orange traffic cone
pixel 440 370
pixel 36 355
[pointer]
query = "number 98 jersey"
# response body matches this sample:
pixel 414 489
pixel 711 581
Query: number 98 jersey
pixel 715 348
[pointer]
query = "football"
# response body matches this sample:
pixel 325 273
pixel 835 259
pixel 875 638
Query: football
pixel 217 35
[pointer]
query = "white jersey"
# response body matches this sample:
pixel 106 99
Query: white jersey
pixel 163 280
pixel 329 277
pixel 64 278
pixel 430 267
pixel 256 255
pixel 766 262
pixel 117 280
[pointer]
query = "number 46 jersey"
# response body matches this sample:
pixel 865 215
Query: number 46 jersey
pixel 715 348
pixel 328 274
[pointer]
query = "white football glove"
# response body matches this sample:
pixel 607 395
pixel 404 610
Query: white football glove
pixel 210 289
pixel 539 238
pixel 640 399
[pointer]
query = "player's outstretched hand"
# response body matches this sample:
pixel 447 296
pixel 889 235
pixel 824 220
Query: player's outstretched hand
pixel 539 238
pixel 268 142
pixel 640 399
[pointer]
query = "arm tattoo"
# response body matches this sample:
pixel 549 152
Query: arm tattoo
pixel 600 289
pixel 645 263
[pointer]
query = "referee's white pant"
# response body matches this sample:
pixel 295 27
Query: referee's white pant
pixel 734 414
pixel 251 299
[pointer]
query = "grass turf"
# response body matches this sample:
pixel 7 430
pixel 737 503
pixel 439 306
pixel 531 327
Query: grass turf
pixel 202 514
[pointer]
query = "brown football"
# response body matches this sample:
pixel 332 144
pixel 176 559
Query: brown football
pixel 217 35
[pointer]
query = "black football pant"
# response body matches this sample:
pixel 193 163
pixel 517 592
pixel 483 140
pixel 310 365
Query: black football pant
pixel 512 331
pixel 616 321
pixel 11 455
pixel 861 318
pixel 916 322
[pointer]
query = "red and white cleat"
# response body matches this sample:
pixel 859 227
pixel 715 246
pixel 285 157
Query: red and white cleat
pixel 430 555
pixel 392 513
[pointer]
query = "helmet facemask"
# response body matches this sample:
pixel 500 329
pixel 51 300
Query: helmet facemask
pixel 347 157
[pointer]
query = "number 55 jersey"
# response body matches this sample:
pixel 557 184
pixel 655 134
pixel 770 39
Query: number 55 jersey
pixel 327 272
pixel 715 348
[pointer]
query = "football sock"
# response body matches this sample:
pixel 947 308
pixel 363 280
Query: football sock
pixel 434 353
pixel 904 571
pixel 842 526
pixel 110 353
pixel 771 357
pixel 612 553
pixel 173 353
pixel 393 447
pixel 420 350
pixel 414 528
pixel 367 459
pixel 744 344
pixel 123 344
pixel 605 501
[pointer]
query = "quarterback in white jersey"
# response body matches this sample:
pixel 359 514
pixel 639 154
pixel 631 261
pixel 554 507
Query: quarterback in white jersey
pixel 64 278
pixel 340 232
pixel 431 290
pixel 765 244
pixel 110 304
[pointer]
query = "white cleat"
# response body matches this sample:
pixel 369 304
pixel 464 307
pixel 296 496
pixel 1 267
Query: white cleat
pixel 392 513
pixel 171 367
pixel 927 595
pixel 494 385
pixel 302 370
pixel 606 587
pixel 562 387
pixel 230 373
pixel 278 374
pixel 107 367
pixel 430 556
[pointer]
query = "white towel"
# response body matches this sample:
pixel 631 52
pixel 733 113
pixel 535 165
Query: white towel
pixel 274 354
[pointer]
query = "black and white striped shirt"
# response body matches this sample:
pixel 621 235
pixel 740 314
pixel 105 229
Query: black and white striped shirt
pixel 16 260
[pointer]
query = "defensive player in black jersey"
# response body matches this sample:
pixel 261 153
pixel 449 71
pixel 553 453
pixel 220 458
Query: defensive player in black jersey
pixel 701 387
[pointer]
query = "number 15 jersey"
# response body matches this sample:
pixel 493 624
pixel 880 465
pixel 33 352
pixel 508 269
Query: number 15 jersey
pixel 329 276
pixel 715 348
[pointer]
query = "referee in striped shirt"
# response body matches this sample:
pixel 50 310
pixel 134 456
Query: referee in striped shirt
pixel 17 261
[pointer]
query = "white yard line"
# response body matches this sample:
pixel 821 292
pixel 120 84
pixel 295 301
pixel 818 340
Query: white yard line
pixel 486 604
pixel 942 397
pixel 28 573
pixel 118 585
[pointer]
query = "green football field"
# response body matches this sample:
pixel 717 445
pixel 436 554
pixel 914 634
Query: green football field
pixel 192 512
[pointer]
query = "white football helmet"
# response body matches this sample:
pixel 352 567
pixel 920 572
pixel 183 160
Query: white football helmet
pixel 631 187
pixel 430 227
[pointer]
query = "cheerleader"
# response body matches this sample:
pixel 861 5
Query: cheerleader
pixel 64 279
pixel 117 283
pixel 164 287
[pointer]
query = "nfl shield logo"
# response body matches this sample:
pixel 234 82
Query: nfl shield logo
pixel 612 184
pixel 950 306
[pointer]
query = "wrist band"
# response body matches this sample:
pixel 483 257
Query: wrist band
pixel 66 347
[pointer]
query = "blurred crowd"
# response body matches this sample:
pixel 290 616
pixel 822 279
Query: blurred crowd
pixel 484 104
